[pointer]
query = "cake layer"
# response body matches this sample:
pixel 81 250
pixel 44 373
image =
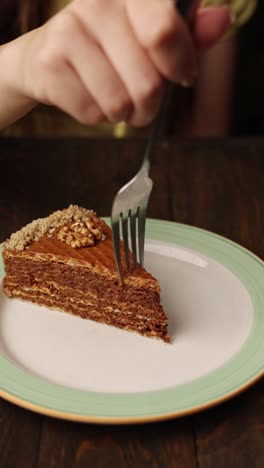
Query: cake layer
pixel 54 289
pixel 100 258
pixel 115 317
pixel 27 270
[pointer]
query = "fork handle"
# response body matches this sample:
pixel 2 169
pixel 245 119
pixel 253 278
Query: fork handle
pixel 155 127
pixel 185 9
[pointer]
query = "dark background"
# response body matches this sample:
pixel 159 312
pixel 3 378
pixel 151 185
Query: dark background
pixel 248 112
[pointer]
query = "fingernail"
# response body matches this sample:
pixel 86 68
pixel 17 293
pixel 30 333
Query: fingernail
pixel 126 115
pixel 188 83
pixel 123 116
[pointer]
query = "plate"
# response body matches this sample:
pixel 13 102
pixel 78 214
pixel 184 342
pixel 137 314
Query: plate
pixel 67 367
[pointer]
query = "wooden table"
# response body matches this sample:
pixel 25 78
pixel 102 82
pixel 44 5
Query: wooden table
pixel 217 185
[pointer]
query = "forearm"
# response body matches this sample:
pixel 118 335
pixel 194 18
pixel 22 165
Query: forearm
pixel 14 102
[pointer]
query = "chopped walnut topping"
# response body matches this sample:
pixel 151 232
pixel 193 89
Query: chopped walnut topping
pixel 82 218
pixel 81 233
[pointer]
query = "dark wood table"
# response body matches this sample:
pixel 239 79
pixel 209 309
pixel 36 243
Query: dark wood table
pixel 217 185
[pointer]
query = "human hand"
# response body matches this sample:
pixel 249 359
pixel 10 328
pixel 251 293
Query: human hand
pixel 107 59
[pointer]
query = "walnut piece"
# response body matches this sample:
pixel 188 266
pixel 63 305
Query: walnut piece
pixel 79 234
pixel 38 228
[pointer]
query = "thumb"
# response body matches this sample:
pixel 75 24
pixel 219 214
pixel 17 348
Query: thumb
pixel 210 24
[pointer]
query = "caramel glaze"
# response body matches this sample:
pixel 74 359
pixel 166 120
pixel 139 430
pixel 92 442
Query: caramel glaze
pixel 100 256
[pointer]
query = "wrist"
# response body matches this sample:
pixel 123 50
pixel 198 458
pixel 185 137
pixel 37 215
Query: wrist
pixel 14 63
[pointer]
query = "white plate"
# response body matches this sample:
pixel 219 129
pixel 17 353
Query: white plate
pixel 211 319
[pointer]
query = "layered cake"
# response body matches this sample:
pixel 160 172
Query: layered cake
pixel 66 261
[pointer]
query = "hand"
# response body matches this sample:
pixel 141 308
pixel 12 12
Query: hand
pixel 106 59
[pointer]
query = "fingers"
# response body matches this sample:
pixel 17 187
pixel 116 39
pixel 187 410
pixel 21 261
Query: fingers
pixel 66 91
pixel 210 25
pixel 49 78
pixel 76 76
pixel 102 59
pixel 99 76
pixel 164 34
pixel 143 82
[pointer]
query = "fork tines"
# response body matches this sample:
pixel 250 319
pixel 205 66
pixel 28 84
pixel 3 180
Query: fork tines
pixel 131 226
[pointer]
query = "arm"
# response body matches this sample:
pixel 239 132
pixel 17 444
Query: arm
pixel 14 102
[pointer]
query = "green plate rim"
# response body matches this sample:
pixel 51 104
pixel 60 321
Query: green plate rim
pixel 237 374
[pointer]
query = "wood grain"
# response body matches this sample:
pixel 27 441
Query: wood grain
pixel 233 434
pixel 79 446
pixel 19 437
pixel 221 188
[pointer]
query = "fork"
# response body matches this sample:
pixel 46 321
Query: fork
pixel 131 201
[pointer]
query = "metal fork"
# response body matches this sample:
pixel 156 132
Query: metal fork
pixel 131 201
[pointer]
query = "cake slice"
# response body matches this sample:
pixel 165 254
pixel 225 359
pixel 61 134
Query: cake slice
pixel 66 261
